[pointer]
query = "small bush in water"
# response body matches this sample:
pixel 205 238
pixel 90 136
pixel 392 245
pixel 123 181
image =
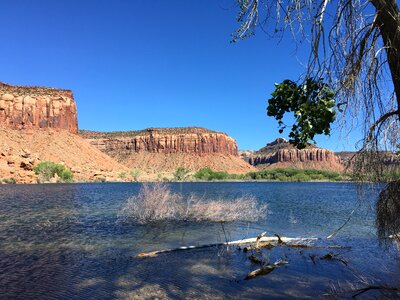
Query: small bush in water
pixel 157 202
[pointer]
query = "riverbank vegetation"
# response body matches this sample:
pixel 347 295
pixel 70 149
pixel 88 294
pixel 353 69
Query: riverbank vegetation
pixel 279 174
pixel 8 181
pixel 48 170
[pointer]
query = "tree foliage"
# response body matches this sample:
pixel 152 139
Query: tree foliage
pixel 355 46
pixel 312 104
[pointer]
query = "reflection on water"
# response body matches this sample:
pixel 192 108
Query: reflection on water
pixel 66 241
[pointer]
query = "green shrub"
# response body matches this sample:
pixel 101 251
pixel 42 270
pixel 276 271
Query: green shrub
pixel 203 173
pixel 100 179
pixel 121 175
pixel 208 174
pixel 48 169
pixel 135 173
pixel 181 173
pixel 9 181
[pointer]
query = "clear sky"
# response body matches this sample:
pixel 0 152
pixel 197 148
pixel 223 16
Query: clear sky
pixel 134 64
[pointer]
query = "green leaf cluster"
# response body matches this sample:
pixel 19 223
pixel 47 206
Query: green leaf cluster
pixel 312 103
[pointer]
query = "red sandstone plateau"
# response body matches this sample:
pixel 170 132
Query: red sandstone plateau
pixel 39 123
pixel 165 149
pixel 24 107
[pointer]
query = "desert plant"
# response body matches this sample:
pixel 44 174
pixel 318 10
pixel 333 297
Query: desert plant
pixel 181 173
pixel 157 202
pixel 100 179
pixel 153 203
pixel 9 180
pixel 122 175
pixel 244 208
pixel 208 174
pixel 135 173
pixel 48 169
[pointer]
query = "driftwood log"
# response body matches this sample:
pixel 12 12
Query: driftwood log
pixel 264 270
pixel 263 241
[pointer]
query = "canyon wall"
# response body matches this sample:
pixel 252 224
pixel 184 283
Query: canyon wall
pixel 166 140
pixel 282 154
pixel 294 155
pixel 24 107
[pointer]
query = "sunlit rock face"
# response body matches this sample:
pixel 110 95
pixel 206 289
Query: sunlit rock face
pixel 30 107
pixel 163 140
pixel 281 153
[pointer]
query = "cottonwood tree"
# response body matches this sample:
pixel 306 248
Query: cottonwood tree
pixel 354 48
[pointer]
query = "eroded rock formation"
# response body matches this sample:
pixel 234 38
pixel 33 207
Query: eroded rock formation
pixel 23 107
pixel 166 140
pixel 281 153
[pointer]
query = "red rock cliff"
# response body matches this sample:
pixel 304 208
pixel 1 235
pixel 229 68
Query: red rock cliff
pixel 167 140
pixel 23 107
pixel 281 152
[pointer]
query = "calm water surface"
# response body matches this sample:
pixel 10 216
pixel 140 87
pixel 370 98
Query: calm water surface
pixel 65 241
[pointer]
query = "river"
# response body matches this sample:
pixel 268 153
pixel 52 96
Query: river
pixel 66 241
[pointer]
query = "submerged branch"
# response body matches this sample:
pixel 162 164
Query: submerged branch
pixel 265 269
pixel 261 242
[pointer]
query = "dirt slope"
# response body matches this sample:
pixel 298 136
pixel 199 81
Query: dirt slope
pixel 21 150
pixel 169 162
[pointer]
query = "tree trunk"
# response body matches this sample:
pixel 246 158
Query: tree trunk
pixel 388 19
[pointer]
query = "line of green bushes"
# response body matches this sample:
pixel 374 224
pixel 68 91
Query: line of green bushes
pixel 291 174
pixel 280 174
pixel 208 174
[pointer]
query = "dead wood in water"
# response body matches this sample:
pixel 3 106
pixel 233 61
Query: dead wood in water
pixel 332 256
pixel 264 239
pixel 265 269
pixel 261 242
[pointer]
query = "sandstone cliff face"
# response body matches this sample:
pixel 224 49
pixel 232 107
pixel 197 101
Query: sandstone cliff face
pixel 24 107
pixel 294 155
pixel 158 150
pixel 282 154
pixel 198 141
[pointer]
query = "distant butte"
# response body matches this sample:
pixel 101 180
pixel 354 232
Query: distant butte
pixel 281 154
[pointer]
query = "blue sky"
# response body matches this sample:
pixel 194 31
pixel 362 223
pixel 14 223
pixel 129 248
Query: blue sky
pixel 138 64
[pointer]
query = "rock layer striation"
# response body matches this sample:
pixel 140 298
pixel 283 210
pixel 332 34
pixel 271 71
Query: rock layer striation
pixel 24 107
pixel 167 140
pixel 163 150
pixel 280 153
